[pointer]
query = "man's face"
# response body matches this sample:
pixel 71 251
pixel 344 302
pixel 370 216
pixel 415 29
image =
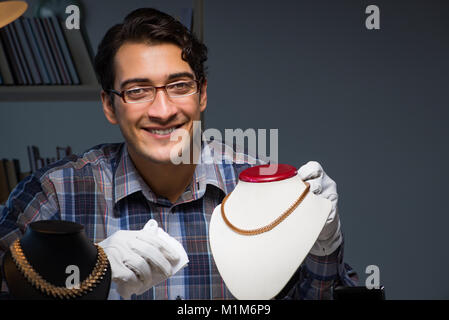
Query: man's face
pixel 137 65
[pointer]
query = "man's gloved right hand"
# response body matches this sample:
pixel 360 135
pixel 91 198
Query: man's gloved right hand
pixel 141 259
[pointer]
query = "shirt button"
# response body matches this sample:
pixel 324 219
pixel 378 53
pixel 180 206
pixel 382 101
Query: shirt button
pixel 178 298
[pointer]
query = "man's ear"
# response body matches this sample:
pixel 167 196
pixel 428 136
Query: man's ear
pixel 108 107
pixel 203 96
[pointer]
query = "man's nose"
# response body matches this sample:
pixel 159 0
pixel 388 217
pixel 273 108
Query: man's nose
pixel 162 107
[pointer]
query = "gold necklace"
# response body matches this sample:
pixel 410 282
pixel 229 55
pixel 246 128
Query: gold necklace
pixel 101 266
pixel 269 226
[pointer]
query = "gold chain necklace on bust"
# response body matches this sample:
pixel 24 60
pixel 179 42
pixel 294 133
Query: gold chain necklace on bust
pixel 101 266
pixel 269 226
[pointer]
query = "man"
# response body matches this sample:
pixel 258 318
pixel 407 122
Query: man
pixel 151 69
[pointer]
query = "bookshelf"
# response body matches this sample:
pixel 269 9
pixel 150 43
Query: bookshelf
pixel 82 56
pixel 84 88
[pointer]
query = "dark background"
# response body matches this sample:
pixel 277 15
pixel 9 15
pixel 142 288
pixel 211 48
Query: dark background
pixel 370 105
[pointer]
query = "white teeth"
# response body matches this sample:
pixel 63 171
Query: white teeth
pixel 162 132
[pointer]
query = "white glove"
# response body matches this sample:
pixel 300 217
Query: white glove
pixel 321 184
pixel 141 259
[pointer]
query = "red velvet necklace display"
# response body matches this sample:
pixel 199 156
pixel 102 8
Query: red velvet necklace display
pixel 284 171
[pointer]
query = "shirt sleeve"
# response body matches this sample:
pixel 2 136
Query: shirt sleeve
pixel 34 198
pixel 319 275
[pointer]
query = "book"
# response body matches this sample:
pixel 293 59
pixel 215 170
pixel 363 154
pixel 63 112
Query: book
pixel 64 49
pixel 18 51
pixel 53 41
pixel 80 49
pixel 198 19
pixel 31 160
pixel 23 175
pixel 86 41
pixel 37 55
pixel 8 44
pixel 4 66
pixel 45 49
pixel 17 170
pixel 10 172
pixel 49 161
pixel 38 161
pixel 4 188
pixel 27 54
pixel 62 152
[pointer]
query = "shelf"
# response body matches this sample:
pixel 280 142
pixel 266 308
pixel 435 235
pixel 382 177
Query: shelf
pixel 50 93
pixel 79 49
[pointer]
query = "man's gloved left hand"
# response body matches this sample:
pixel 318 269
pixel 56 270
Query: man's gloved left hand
pixel 322 185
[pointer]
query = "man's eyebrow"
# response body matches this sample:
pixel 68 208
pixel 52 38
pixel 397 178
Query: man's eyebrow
pixel 181 75
pixel 170 77
pixel 133 80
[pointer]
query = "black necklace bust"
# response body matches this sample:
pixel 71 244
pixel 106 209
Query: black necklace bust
pixel 48 259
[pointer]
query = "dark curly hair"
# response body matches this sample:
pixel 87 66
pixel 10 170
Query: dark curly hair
pixel 151 26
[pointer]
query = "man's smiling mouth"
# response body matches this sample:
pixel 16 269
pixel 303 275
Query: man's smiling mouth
pixel 163 131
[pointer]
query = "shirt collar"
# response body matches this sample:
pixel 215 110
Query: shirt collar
pixel 208 172
pixel 127 179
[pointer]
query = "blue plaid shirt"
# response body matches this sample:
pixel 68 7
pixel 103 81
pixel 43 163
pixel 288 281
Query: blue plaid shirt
pixel 102 190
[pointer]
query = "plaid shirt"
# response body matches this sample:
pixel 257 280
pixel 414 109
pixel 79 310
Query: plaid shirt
pixel 103 191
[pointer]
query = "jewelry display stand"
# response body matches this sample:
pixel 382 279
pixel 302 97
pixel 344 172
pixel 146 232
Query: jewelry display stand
pixel 50 247
pixel 259 264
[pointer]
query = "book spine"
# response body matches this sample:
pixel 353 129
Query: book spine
pixel 38 161
pixel 8 43
pixel 44 40
pixel 23 175
pixel 83 62
pixel 28 56
pixel 56 51
pixel 11 173
pixel 17 170
pixel 19 52
pixel 64 49
pixel 31 159
pixel 5 169
pixel 4 66
pixel 4 188
pixel 38 58
pixel 86 42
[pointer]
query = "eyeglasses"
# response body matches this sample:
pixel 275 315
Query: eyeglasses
pixel 148 93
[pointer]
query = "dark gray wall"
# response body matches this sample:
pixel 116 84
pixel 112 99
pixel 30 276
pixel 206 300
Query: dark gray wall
pixel 370 106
